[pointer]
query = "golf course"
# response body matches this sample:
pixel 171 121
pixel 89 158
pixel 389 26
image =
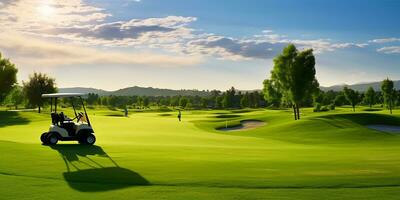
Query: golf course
pixel 151 155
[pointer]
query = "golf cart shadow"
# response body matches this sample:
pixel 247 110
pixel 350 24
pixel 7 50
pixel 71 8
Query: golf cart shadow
pixel 90 169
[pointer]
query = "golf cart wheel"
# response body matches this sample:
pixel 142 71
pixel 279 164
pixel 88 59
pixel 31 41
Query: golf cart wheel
pixel 43 138
pixel 52 139
pixel 88 139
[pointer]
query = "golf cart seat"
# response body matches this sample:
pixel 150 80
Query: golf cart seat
pixel 54 118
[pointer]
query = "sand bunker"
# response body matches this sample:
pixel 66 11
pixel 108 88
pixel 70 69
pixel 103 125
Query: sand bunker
pixel 385 128
pixel 245 125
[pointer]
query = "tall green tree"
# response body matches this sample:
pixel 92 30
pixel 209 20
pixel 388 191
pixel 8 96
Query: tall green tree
pixel 369 97
pixel 388 92
pixel 245 100
pixel 37 85
pixel 352 97
pixel 16 96
pixel 8 77
pixel 271 93
pixel 229 98
pixel 294 74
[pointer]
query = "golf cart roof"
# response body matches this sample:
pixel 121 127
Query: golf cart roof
pixel 60 95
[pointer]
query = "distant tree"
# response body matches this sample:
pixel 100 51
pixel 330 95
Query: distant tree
pixel 92 99
pixel 271 93
pixel 183 101
pixel 16 96
pixel 255 99
pixel 146 101
pixel 229 98
pixel 8 77
pixel 245 100
pixel 104 101
pixel 352 97
pixel 388 92
pixel 219 102
pixel 340 100
pixel 204 102
pixel 369 97
pixel 294 73
pixel 189 106
pixel 37 85
pixel 174 101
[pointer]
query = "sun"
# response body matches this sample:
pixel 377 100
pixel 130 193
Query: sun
pixel 46 10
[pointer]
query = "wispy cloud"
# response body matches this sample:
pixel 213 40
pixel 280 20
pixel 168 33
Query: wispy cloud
pixel 44 53
pixel 390 50
pixel 385 40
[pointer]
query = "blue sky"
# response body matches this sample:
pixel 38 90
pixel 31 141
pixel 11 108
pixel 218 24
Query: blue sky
pixel 197 43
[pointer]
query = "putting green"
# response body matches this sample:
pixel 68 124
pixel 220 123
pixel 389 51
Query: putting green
pixel 328 155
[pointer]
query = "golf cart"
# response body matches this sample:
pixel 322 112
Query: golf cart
pixel 65 129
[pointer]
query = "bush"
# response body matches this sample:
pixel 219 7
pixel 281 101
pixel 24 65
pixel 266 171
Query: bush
pixel 324 109
pixel 317 107
pixel 332 107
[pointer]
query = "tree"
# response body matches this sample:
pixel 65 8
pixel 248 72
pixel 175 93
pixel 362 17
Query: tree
pixel 271 93
pixel 369 97
pixel 340 100
pixel 219 102
pixel 352 97
pixel 146 101
pixel 244 101
pixel 8 77
pixel 294 75
pixel 16 96
pixel 92 98
pixel 183 101
pixel 229 98
pixel 37 85
pixel 388 92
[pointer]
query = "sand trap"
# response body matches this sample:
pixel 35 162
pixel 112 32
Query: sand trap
pixel 385 128
pixel 244 125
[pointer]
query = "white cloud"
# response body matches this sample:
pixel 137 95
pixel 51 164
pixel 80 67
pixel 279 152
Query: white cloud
pixel 390 50
pixel 385 40
pixel 44 53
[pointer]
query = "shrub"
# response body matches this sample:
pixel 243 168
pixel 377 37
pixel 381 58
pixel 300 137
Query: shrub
pixel 332 107
pixel 317 107
pixel 324 108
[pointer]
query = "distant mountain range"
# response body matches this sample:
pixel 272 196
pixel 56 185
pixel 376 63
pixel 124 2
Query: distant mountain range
pixel 149 91
pixel 136 91
pixel 360 86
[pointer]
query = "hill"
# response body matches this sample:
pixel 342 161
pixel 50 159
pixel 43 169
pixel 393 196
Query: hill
pixel 82 90
pixel 137 91
pixel 150 91
pixel 360 86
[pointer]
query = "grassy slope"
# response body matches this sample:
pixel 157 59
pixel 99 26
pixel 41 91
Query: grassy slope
pixel 323 156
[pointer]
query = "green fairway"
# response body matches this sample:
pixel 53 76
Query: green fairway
pixel 150 155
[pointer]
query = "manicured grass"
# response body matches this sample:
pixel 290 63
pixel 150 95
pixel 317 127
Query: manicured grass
pixel 328 155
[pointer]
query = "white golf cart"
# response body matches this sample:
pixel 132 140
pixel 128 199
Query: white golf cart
pixel 65 129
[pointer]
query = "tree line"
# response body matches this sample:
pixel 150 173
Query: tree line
pixel 230 99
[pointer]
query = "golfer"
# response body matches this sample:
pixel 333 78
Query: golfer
pixel 179 115
pixel 126 112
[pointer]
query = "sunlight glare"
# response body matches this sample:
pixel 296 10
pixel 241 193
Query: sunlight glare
pixel 46 10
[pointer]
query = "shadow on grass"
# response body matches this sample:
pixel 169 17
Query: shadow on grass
pixel 364 118
pixel 91 169
pixel 227 116
pixel 11 118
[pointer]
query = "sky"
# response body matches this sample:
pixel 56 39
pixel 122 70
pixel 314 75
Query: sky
pixel 197 44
